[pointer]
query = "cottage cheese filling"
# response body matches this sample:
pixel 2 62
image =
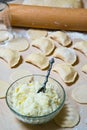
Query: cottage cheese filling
pixel 27 101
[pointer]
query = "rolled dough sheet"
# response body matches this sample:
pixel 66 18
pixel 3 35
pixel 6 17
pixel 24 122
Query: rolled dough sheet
pixel 55 3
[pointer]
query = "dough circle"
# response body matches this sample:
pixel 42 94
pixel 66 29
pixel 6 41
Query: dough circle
pixel 4 36
pixel 79 94
pixel 68 117
pixel 18 44
pixel 18 74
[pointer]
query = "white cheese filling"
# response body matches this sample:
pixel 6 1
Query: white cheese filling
pixel 27 101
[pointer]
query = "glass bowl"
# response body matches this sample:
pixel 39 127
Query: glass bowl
pixel 36 119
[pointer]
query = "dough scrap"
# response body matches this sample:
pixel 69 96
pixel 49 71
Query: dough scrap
pixel 3 88
pixel 84 68
pixel 81 46
pixel 36 33
pixel 19 44
pixel 66 54
pixel 67 72
pixel 18 74
pixel 46 45
pixel 68 117
pixel 79 94
pixel 61 37
pixel 55 3
pixel 9 55
pixel 38 59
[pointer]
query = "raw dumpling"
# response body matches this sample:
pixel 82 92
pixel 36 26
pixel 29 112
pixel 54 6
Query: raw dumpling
pixel 11 56
pixel 81 46
pixel 84 68
pixel 38 59
pixel 68 117
pixel 66 54
pixel 45 44
pixel 67 72
pixel 61 37
pixel 35 33
pixel 19 44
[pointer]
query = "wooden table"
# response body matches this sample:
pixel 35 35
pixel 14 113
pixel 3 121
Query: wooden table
pixel 8 120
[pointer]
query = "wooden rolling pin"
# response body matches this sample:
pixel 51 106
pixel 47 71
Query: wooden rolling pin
pixel 48 17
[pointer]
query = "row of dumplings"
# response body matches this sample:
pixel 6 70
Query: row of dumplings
pixel 40 60
pixel 47 45
pixel 59 36
pixel 66 71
